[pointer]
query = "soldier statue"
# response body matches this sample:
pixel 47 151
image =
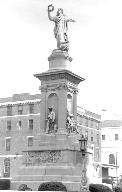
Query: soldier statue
pixel 51 126
pixel 71 124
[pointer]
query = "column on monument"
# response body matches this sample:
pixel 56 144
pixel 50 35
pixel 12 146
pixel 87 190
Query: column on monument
pixel 43 112
pixel 62 111
pixel 75 104
pixel 70 103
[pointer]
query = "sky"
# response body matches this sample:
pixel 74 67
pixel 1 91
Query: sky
pixel 27 40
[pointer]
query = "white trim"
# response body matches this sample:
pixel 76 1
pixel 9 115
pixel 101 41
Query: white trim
pixel 8 137
pixel 26 115
pixel 20 102
pixel 30 136
pixel 91 128
pixel 8 156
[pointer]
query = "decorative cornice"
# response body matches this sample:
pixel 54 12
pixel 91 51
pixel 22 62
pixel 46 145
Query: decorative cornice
pixel 60 74
pixel 60 86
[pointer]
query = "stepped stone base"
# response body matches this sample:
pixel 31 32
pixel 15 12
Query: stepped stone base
pixel 33 176
pixel 52 158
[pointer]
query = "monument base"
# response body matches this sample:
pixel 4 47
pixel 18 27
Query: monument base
pixel 52 158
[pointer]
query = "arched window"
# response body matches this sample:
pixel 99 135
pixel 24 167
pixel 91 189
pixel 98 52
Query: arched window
pixel 112 159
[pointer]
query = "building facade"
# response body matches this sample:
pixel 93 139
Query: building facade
pixel 111 153
pixel 20 124
pixel 89 124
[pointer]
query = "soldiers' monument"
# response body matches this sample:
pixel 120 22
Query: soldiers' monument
pixel 57 154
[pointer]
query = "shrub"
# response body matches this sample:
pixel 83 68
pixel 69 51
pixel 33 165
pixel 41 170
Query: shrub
pixel 118 189
pixel 99 188
pixel 24 187
pixel 4 184
pixel 52 186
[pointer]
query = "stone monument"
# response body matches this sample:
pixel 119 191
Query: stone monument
pixel 56 154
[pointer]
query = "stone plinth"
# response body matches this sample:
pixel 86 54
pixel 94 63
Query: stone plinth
pixel 59 60
pixel 52 158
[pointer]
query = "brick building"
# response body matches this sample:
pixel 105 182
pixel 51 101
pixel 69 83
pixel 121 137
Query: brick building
pixel 20 124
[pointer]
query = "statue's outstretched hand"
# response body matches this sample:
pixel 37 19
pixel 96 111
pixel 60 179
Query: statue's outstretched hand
pixel 72 20
pixel 50 8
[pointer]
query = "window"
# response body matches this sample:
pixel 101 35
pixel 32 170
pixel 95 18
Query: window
pixel 30 125
pixel 30 141
pixel 92 123
pixel 9 110
pixel 112 159
pixel 9 125
pixel 31 108
pixel 20 109
pixel 92 139
pixel 105 172
pixel 8 144
pixel 97 154
pixel 97 125
pixel 98 138
pixel 19 124
pixel 86 122
pixel 103 137
pixel 86 134
pixel 116 137
pixel 6 172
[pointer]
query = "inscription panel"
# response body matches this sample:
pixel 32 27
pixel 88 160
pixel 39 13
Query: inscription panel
pixel 33 158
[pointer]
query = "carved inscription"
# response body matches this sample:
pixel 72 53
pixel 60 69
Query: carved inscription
pixel 38 158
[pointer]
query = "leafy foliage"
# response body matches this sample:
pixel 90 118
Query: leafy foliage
pixel 52 186
pixel 99 188
pixel 24 187
pixel 118 189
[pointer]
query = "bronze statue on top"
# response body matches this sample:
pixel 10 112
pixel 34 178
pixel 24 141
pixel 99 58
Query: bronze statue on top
pixel 61 27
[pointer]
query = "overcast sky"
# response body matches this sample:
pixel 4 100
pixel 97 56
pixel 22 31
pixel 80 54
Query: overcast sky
pixel 26 41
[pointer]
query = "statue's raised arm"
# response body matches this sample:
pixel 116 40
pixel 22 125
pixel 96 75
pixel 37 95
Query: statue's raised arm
pixel 50 9
pixel 71 20
pixel 61 27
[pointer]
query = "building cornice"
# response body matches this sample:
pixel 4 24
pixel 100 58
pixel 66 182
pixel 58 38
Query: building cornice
pixel 20 102
pixel 89 117
pixel 20 116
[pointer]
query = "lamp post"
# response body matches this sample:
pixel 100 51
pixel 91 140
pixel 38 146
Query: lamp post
pixel 83 149
pixel 83 144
